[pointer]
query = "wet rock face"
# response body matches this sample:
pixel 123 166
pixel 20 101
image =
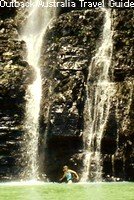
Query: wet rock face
pixel 70 44
pixel 120 126
pixel 14 79
pixel 123 48
pixel 68 48
pixel 64 67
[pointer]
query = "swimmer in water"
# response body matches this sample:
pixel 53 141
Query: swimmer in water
pixel 68 174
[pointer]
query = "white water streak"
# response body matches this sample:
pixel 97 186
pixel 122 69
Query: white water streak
pixel 98 103
pixel 33 32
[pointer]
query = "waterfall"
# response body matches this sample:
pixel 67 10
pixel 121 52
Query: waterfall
pixel 33 31
pixel 99 91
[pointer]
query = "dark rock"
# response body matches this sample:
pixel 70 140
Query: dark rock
pixel 66 54
pixel 68 49
pixel 70 42
pixel 15 76
pixel 120 122
pixel 123 49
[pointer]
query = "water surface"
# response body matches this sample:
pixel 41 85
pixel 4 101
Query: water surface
pixel 51 191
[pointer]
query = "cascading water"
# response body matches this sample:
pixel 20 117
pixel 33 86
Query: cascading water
pixel 37 21
pixel 99 92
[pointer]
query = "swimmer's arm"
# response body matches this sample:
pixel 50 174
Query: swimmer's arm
pixel 73 172
pixel 64 175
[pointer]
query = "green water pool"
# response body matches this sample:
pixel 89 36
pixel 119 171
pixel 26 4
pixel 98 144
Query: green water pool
pixel 51 191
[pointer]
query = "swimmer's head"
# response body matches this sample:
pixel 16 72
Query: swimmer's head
pixel 65 168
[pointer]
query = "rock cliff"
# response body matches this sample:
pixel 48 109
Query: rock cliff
pixel 69 45
pixel 70 42
pixel 119 156
pixel 15 74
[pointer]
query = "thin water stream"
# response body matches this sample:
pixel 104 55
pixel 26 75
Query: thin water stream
pixel 99 91
pixel 33 32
